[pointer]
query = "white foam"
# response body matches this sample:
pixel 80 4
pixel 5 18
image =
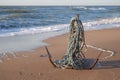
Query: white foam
pixel 100 8
pixel 103 21
pixel 91 25
pixel 88 8
pixel 29 42
pixel 33 30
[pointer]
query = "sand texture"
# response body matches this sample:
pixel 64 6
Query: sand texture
pixel 35 65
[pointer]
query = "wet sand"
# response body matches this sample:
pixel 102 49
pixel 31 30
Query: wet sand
pixel 35 65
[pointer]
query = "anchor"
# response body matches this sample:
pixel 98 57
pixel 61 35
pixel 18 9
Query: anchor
pixel 74 57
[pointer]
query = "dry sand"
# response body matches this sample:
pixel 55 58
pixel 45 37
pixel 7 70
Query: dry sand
pixel 34 65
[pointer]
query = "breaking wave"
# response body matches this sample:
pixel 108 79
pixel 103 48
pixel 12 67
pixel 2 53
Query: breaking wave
pixel 5 17
pixel 103 21
pixel 88 8
pixel 93 25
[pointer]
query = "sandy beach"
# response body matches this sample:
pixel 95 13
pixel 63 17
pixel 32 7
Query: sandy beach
pixel 35 65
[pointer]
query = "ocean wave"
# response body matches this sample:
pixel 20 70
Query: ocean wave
pixel 15 15
pixel 88 8
pixel 16 11
pixel 103 21
pixel 33 30
pixel 100 8
pixel 91 25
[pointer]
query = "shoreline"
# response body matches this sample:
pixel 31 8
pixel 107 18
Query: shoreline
pixel 34 47
pixel 35 64
pixel 47 42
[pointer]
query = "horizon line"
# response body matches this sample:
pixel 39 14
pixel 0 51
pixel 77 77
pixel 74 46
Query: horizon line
pixel 59 5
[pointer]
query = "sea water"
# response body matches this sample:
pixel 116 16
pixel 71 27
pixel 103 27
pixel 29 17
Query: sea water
pixel 23 28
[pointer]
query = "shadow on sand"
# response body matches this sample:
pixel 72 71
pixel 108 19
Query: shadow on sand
pixel 108 64
pixel 102 64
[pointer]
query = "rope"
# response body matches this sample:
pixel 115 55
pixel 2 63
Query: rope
pixel 103 50
pixel 74 55
pixel 76 44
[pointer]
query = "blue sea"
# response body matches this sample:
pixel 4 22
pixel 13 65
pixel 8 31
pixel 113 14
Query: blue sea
pixel 24 28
